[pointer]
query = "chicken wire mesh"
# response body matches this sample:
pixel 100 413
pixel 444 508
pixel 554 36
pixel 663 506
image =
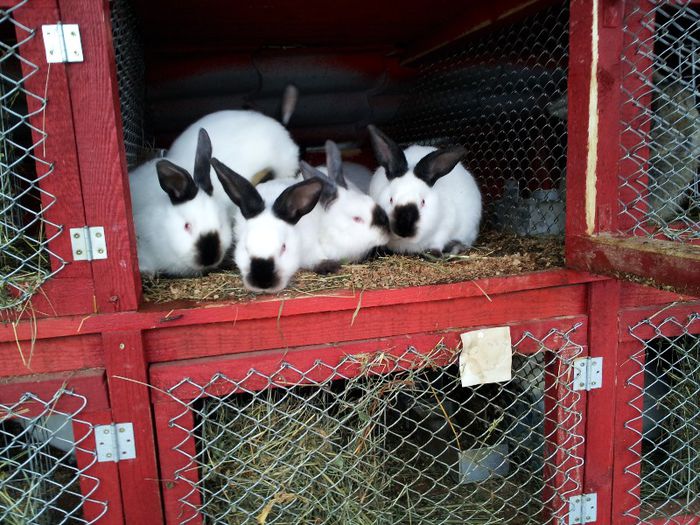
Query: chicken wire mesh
pixel 382 438
pixel 667 404
pixel 128 55
pixel 659 185
pixel 502 95
pixel 24 242
pixel 40 481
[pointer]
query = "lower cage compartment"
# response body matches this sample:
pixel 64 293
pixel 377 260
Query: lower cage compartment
pixel 387 437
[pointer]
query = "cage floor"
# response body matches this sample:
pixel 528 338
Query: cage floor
pixel 495 254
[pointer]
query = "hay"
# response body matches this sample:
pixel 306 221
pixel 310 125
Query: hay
pixel 671 467
pixel 496 254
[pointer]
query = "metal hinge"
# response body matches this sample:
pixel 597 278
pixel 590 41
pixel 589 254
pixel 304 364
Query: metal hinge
pixel 88 243
pixel 115 442
pixel 62 43
pixel 583 508
pixel 588 373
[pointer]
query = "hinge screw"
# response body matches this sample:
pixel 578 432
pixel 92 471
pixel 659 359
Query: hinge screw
pixel 581 385
pixel 109 454
pixel 98 235
pixel 122 346
pixel 76 235
pixel 100 251
pixel 121 429
pixel 78 252
pixel 106 431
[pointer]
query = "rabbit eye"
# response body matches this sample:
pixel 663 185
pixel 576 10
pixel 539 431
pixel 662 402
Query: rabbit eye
pixel 422 203
pixel 283 249
pixel 188 227
pixel 391 200
pixel 358 219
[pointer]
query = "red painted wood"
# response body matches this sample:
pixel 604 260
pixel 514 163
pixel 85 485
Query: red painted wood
pixel 565 418
pixel 58 149
pixel 369 323
pixel 609 78
pixel 168 315
pixel 633 295
pixel 666 263
pixel 657 314
pixel 637 72
pixel 124 357
pixel 603 305
pixel 50 355
pixel 174 425
pixel 106 487
pixel 59 296
pixel 481 16
pixel 98 134
pixel 628 429
pixel 200 371
pixel 579 78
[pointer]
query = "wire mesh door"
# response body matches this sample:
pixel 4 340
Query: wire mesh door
pixel 661 427
pixel 40 192
pixel 387 437
pixel 49 470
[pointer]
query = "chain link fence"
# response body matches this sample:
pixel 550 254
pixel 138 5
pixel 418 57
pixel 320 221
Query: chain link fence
pixel 24 243
pixel 128 54
pixel 502 95
pixel 383 438
pixel 40 481
pixel 667 405
pixel 659 185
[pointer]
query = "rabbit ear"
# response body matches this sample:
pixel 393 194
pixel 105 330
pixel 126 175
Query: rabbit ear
pixel 297 200
pixel 239 190
pixel 176 182
pixel 330 189
pixel 438 163
pixel 202 166
pixel 290 97
pixel 334 164
pixel 388 153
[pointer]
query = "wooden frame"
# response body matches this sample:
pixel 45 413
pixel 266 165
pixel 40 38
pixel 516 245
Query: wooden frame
pixel 91 385
pixel 176 444
pixel 597 144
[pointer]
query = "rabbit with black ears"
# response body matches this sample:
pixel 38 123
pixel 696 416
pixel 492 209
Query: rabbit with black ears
pixel 180 228
pixel 346 225
pixel 252 144
pixel 268 247
pixel 433 203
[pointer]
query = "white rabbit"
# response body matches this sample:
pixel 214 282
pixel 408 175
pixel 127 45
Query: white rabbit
pixel 433 203
pixel 180 227
pixel 268 243
pixel 250 143
pixel 346 225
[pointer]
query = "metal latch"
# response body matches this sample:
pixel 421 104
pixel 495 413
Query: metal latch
pixel 115 442
pixel 583 508
pixel 88 243
pixel 588 373
pixel 62 43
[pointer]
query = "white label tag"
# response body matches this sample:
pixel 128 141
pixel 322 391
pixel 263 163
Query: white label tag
pixel 486 356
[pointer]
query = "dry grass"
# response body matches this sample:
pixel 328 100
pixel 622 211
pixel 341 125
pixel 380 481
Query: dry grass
pixel 496 254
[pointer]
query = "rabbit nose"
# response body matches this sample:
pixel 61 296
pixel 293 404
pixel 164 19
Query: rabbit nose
pixel 262 273
pixel 208 249
pixel 405 220
pixel 380 219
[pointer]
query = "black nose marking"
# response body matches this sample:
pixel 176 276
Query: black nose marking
pixel 405 218
pixel 380 218
pixel 208 249
pixel 262 273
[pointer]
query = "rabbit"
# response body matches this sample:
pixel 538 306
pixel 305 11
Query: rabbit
pixel 268 247
pixel 181 229
pixel 254 145
pixel 433 203
pixel 346 226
